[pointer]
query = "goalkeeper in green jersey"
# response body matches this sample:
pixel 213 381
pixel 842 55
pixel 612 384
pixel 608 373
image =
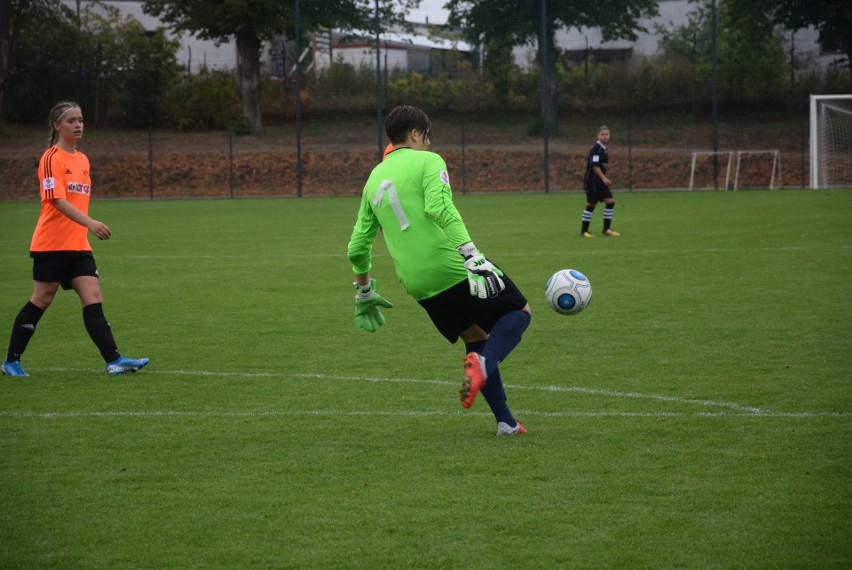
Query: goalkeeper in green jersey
pixel 408 197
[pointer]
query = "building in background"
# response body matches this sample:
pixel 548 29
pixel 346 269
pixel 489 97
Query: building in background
pixel 405 51
pixel 193 53
pixel 422 51
pixel 577 44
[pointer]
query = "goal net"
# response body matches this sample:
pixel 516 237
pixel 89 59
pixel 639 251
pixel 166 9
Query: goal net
pixel 735 170
pixel 831 140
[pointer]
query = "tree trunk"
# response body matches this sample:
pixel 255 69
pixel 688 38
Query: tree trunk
pixel 248 51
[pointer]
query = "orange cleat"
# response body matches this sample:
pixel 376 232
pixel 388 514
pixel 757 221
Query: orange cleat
pixel 474 379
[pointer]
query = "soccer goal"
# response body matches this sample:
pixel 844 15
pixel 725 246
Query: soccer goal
pixel 752 167
pixel 831 140
pixel 706 169
pixel 742 169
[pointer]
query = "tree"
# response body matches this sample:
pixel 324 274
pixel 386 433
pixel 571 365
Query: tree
pixel 751 58
pixel 832 18
pixel 92 56
pixel 250 24
pixel 15 17
pixel 518 22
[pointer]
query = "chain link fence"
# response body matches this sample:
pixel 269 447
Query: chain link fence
pixel 488 127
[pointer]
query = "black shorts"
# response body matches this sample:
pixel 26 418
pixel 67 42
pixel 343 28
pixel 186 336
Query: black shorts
pixel 455 310
pixel 63 267
pixel 599 193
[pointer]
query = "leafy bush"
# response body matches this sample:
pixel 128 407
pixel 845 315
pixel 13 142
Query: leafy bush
pixel 145 85
pixel 210 99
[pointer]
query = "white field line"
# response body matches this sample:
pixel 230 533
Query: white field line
pixel 539 253
pixel 736 409
pixel 410 414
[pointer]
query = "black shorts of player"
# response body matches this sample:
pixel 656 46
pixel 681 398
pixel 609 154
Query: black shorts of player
pixel 455 310
pixel 599 193
pixel 63 266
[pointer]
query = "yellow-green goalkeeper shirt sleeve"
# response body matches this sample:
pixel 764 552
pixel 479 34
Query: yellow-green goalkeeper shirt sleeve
pixel 409 197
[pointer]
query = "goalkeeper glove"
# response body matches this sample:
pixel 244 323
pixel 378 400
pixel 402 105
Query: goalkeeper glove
pixel 367 303
pixel 482 276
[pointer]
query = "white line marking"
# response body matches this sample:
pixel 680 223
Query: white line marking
pixel 577 389
pixel 410 414
pixel 738 410
pixel 539 253
pixel 660 398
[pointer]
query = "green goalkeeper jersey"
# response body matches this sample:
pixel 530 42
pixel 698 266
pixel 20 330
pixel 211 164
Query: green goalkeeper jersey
pixel 408 196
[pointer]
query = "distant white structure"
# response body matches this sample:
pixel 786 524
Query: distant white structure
pixel 409 52
pixel 420 52
pixel 193 53
pixel 673 14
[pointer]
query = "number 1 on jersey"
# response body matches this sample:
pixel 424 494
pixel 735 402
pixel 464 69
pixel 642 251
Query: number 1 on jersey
pixel 387 187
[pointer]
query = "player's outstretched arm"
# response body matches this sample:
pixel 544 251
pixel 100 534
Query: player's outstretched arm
pixel 482 276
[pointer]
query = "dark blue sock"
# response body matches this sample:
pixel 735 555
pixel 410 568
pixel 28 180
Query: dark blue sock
pixel 504 337
pixel 493 391
pixel 495 395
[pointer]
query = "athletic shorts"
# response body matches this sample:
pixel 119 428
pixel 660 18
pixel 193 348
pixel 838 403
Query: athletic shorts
pixel 599 193
pixel 456 310
pixel 51 268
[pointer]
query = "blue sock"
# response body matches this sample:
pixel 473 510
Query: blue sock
pixel 495 395
pixel 493 391
pixel 505 336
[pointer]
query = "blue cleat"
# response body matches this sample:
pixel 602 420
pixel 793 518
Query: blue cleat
pixel 124 364
pixel 13 368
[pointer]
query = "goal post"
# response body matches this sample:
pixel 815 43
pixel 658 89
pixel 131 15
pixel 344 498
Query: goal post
pixel 742 169
pixel 699 168
pixel 753 169
pixel 831 140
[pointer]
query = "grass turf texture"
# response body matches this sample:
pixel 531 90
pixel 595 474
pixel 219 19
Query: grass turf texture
pixel 697 414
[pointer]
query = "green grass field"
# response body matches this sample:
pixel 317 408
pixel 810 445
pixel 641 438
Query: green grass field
pixel 697 415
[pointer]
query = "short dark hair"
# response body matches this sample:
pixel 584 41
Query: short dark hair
pixel 402 119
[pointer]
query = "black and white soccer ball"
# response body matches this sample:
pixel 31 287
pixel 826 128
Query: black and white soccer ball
pixel 568 292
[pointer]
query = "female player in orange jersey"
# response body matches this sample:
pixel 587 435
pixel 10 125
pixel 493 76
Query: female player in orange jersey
pixel 60 246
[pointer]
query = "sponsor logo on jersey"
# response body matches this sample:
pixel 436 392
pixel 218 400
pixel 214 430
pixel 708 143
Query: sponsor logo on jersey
pixel 67 171
pixel 445 177
pixel 79 188
pixel 48 183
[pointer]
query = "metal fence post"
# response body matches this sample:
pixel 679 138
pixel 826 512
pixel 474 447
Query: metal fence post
pixel 150 166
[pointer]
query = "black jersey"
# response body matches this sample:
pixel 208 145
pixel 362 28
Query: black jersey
pixel 598 156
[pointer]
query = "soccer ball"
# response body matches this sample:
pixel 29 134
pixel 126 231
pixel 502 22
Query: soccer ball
pixel 568 292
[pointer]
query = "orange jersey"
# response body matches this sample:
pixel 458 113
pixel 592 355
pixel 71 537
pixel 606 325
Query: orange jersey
pixel 62 175
pixel 388 150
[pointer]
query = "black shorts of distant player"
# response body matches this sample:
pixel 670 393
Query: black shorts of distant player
pixel 599 193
